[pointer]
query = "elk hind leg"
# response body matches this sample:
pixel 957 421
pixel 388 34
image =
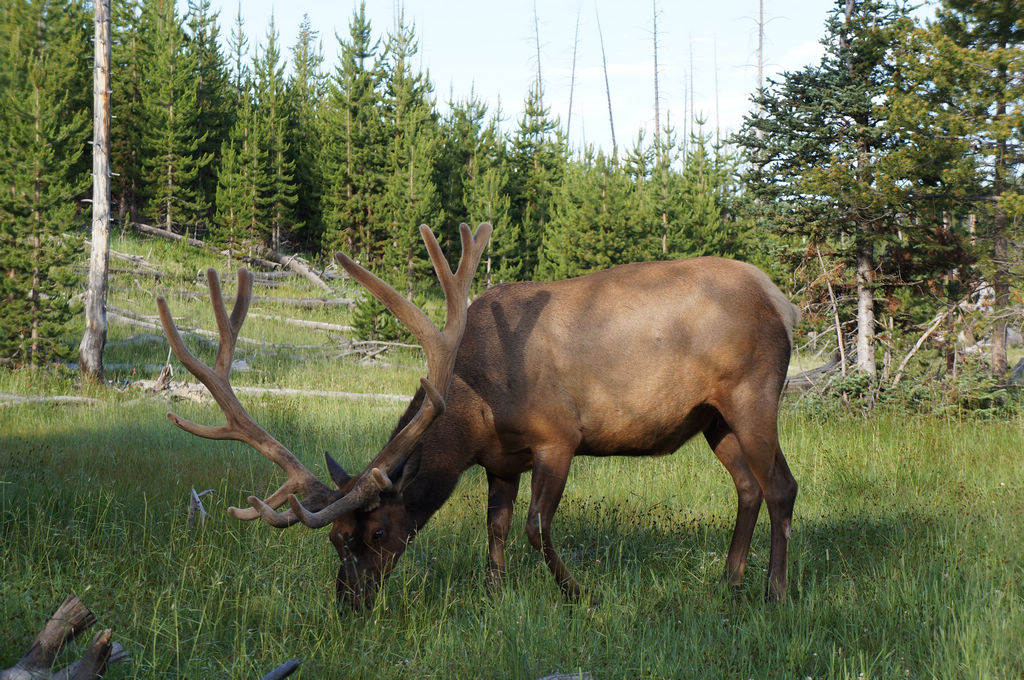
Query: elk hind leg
pixel 726 446
pixel 759 440
pixel 550 471
pixel 501 497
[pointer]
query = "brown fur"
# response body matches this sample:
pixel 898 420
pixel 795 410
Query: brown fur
pixel 633 360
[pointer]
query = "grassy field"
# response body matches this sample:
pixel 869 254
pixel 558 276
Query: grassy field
pixel 905 560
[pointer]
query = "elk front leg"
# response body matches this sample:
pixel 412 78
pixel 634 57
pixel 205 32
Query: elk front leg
pixel 749 496
pixel 550 470
pixel 501 496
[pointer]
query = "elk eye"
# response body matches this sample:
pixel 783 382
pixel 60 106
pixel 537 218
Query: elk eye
pixel 378 534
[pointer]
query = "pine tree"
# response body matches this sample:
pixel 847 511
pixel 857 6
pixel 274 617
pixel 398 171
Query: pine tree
pixel 702 221
pixel 537 159
pixel 214 114
pixel 243 209
pixel 353 158
pixel 228 226
pixel 273 114
pixel 987 51
pixel 935 175
pixel 172 137
pixel 127 116
pixel 43 131
pixel 306 90
pixel 594 224
pixel 815 145
pixel 472 180
pixel 409 196
pixel 238 48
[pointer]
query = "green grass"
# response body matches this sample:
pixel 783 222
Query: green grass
pixel 905 560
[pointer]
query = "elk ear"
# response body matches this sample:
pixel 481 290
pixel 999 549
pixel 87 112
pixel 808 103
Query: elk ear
pixel 410 468
pixel 337 473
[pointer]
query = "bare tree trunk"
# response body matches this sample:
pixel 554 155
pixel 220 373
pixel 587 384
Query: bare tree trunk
pixel 865 249
pixel 865 306
pixel 572 79
pixel 840 342
pixel 607 87
pixel 760 63
pixel 1001 288
pixel 657 97
pixel 760 50
pixel 67 623
pixel 536 36
pixel 718 118
pixel 1000 250
pixel 90 351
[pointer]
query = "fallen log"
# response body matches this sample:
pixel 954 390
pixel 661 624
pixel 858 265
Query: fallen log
pixel 9 399
pixel 131 318
pixel 197 392
pixel 163 233
pixel 316 325
pixel 136 260
pixel 258 278
pixel 124 270
pixel 296 264
pixel 271 259
pixel 801 382
pixel 68 622
pixel 301 303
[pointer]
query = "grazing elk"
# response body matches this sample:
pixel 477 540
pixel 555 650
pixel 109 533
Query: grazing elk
pixel 633 360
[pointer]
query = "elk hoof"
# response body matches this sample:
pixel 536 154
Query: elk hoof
pixel 578 595
pixel 495 582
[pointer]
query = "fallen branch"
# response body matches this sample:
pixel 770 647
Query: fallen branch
pixel 132 318
pixel 296 264
pixel 9 399
pixel 284 670
pixel 317 325
pixel 123 270
pixel 68 622
pixel 163 233
pixel 264 279
pixel 196 511
pixel 137 260
pixel 801 382
pixel 209 337
pixel 920 341
pixel 835 312
pixel 302 303
pixel 197 392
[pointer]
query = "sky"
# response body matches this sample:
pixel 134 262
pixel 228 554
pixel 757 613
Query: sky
pixel 489 48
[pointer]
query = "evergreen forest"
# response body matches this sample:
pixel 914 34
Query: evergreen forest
pixel 881 187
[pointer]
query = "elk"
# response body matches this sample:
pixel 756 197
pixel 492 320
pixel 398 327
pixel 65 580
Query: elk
pixel 633 360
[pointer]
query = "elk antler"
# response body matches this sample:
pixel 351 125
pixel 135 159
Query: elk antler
pixel 440 348
pixel 240 426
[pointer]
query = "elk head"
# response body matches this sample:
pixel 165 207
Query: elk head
pixel 370 529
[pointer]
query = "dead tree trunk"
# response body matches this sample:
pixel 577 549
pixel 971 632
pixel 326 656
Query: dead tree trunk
pixel 69 621
pixel 572 78
pixel 607 87
pixel 90 351
pixel 657 94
